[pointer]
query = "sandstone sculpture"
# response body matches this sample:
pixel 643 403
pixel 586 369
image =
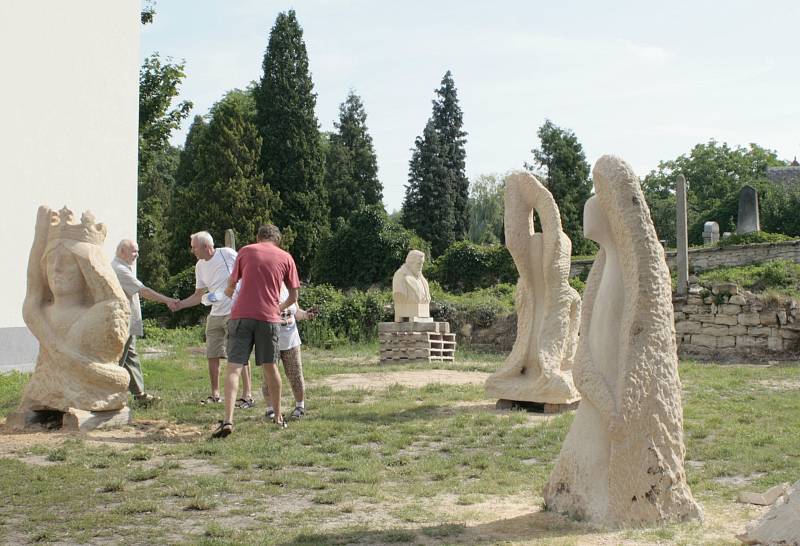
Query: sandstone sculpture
pixel 539 368
pixel 622 461
pixel 410 291
pixel 778 525
pixel 78 312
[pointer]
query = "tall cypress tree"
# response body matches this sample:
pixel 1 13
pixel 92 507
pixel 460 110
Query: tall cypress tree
pixel 352 143
pixel 567 172
pixel 448 120
pixel 227 189
pixel 291 153
pixel 428 204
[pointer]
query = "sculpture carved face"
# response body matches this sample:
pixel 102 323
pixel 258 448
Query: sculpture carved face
pixel 415 262
pixel 63 273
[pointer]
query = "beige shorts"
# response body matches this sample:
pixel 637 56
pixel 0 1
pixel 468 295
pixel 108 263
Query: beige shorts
pixel 216 336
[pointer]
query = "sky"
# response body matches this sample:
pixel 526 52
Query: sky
pixel 642 80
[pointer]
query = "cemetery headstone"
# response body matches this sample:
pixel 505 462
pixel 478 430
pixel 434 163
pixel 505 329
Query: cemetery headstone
pixel 748 220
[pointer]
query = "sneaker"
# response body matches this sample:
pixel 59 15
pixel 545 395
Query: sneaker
pixel 297 413
pixel 223 430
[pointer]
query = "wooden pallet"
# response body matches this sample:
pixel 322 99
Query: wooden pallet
pixel 429 346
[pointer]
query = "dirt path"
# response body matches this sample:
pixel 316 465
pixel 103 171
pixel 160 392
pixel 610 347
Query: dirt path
pixel 412 379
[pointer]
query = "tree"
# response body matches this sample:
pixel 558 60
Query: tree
pixel 486 209
pixel 291 153
pixel 351 174
pixel 428 204
pixel 365 250
pixel 567 178
pixel 715 173
pixel 448 121
pixel 158 86
pixel 225 188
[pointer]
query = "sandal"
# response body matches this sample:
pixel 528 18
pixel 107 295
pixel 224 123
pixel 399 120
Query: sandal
pixel 223 430
pixel 281 424
pixel 245 403
pixel 297 413
pixel 211 400
pixel 270 414
pixel 145 398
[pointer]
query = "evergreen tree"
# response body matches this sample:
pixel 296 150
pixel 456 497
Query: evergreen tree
pixel 448 120
pixel 567 178
pixel 428 204
pixel 225 188
pixel 486 209
pixel 291 155
pixel 351 164
pixel 158 86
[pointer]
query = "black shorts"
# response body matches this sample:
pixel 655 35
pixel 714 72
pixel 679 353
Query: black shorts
pixel 244 333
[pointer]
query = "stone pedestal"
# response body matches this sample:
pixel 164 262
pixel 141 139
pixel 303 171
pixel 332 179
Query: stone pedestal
pixel 74 420
pixel 416 341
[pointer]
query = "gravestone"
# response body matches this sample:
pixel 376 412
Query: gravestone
pixel 710 233
pixel 682 256
pixel 747 220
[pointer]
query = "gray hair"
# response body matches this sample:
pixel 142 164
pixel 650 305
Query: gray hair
pixel 203 237
pixel 123 244
pixel 269 232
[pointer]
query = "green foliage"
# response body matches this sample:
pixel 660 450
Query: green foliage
pixel 366 250
pixel 158 86
pixel 480 308
pixel 179 285
pixel 715 174
pixel 435 204
pixel 578 284
pixel 291 158
pixel 486 209
pixel 754 238
pixel 343 318
pixel 567 178
pixel 779 206
pixel 466 266
pixel 351 167
pixel 226 190
pixel 782 276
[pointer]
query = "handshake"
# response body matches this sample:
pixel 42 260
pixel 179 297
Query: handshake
pixel 174 304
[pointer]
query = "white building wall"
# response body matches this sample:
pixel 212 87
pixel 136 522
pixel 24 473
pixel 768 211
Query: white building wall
pixel 68 132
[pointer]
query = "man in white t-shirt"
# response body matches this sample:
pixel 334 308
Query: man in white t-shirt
pixel 211 278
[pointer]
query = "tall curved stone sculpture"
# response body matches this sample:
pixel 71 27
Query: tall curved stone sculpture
pixel 622 461
pixel 539 368
pixel 77 310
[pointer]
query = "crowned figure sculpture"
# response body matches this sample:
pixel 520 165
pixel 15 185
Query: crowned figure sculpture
pixel 77 310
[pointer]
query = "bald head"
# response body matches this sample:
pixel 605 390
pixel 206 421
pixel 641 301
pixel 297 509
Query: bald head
pixel 128 251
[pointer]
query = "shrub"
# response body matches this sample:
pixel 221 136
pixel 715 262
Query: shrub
pixel 465 267
pixel 754 238
pixel 365 251
pixel 777 275
pixel 180 285
pixel 351 317
pixel 480 308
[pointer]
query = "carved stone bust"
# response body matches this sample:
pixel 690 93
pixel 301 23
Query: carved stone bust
pixel 77 310
pixel 410 291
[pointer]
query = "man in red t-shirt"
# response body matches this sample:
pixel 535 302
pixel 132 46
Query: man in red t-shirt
pixel 256 317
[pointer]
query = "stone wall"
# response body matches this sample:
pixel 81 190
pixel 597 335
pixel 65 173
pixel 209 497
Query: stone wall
pixel 702 259
pixel 727 325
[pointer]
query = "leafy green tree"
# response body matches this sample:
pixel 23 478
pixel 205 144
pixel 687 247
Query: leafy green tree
pixel 448 120
pixel 291 156
pixel 224 188
pixel 428 204
pixel 715 173
pixel 365 250
pixel 567 177
pixel 159 84
pixel 351 164
pixel 486 209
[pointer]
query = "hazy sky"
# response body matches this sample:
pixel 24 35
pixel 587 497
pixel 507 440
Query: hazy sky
pixel 644 81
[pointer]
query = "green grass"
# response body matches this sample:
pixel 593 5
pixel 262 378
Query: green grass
pixel 402 465
pixel 777 276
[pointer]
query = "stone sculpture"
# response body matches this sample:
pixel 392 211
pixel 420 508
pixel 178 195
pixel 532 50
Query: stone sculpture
pixel 747 221
pixel 410 291
pixel 539 368
pixel 79 314
pixel 778 525
pixel 622 461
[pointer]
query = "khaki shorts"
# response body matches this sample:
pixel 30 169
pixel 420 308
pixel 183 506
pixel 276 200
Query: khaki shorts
pixel 216 336
pixel 245 333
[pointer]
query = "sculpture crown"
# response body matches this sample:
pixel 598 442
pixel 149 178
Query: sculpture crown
pixel 63 226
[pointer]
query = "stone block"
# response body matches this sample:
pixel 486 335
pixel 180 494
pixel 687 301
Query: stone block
pixel 727 288
pixel 775 343
pixel 730 309
pixel 749 342
pixel 697 350
pixel 704 340
pixel 782 318
pixel 737 299
pixel 737 330
pixel 759 331
pixel 688 327
pixel 723 342
pixel 707 318
pixel 729 320
pixel 694 300
pixel 715 330
pixel 678 316
pixel 788 334
pixel 769 318
pixel 709 299
pixel 749 319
